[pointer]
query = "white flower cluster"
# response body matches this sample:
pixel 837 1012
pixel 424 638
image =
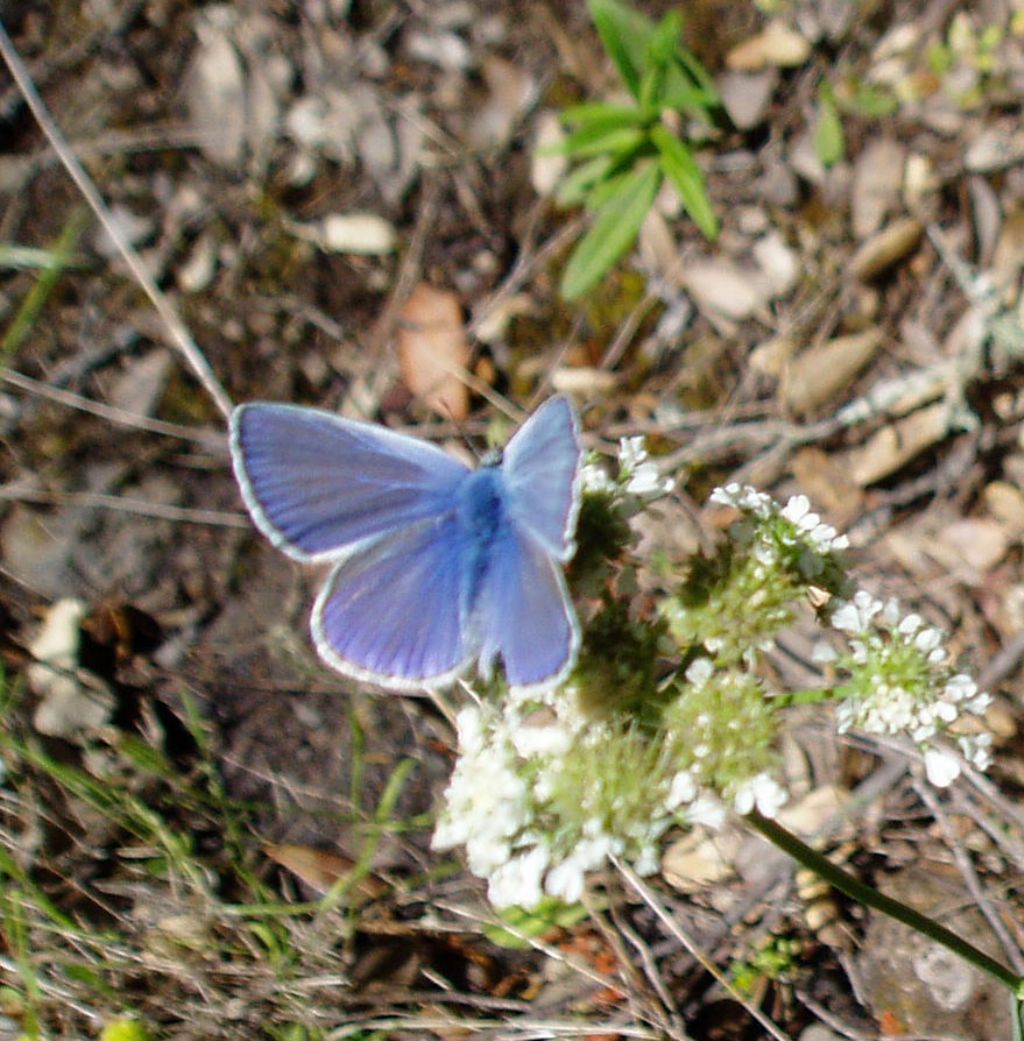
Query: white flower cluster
pixel 906 685
pixel 498 805
pixel 818 535
pixel 637 475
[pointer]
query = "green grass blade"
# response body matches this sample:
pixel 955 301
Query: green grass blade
pixel 35 299
pixel 682 170
pixel 613 232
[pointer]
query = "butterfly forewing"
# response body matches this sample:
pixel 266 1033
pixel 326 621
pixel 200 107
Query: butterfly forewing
pixel 542 465
pixel 390 614
pixel 317 484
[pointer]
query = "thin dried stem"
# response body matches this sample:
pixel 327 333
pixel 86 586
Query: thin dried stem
pixel 661 913
pixel 160 511
pixel 179 334
pixel 206 438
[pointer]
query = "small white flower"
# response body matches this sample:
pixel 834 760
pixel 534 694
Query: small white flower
pixel 683 789
pixel 647 862
pixel 595 479
pixel 928 640
pixel 699 672
pixel 565 880
pixel 959 687
pixel 824 653
pixel 976 750
pixel 909 625
pixel 517 882
pixel 632 452
pixel 796 509
pixel 846 618
pixel 706 810
pixel 763 792
pixel 536 739
pixel 645 482
pixel 941 767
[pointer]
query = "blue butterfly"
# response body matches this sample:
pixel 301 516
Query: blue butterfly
pixel 435 565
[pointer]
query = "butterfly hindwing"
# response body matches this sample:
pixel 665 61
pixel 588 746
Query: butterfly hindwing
pixel 542 468
pixel 317 484
pixel 524 613
pixel 391 613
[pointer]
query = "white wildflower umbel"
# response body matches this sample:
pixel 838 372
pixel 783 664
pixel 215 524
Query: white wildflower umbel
pixel 548 786
pixel 902 684
pixel 541 795
pixel 776 553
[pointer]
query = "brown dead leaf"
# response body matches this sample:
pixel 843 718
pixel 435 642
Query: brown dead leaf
pixel 433 349
pixel 827 483
pixel 511 91
pixel 1006 504
pixel 321 869
pixel 889 246
pixel 977 542
pixel 699 859
pixel 895 445
pixel 823 371
pixel 777 45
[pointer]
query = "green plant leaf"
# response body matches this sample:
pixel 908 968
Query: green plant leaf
pixel 577 186
pixel 664 42
pixel 689 88
pixel 829 144
pixel 597 140
pixel 613 232
pixel 535 921
pixel 603 190
pixel 658 56
pixel 625 34
pixel 682 170
pixel 871 101
pixel 601 112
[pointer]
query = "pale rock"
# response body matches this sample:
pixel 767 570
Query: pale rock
pixel 68 707
pixel 443 49
pixel 877 177
pixel 746 95
pixel 995 148
pixel 364 234
pixel 200 266
pixel 779 264
pixel 547 168
pixel 215 93
pixel 720 286
pixel 919 179
pixel 139 386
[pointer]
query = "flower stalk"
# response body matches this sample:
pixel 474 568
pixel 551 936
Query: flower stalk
pixel 864 894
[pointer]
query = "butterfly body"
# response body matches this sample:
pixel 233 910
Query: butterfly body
pixel 435 565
